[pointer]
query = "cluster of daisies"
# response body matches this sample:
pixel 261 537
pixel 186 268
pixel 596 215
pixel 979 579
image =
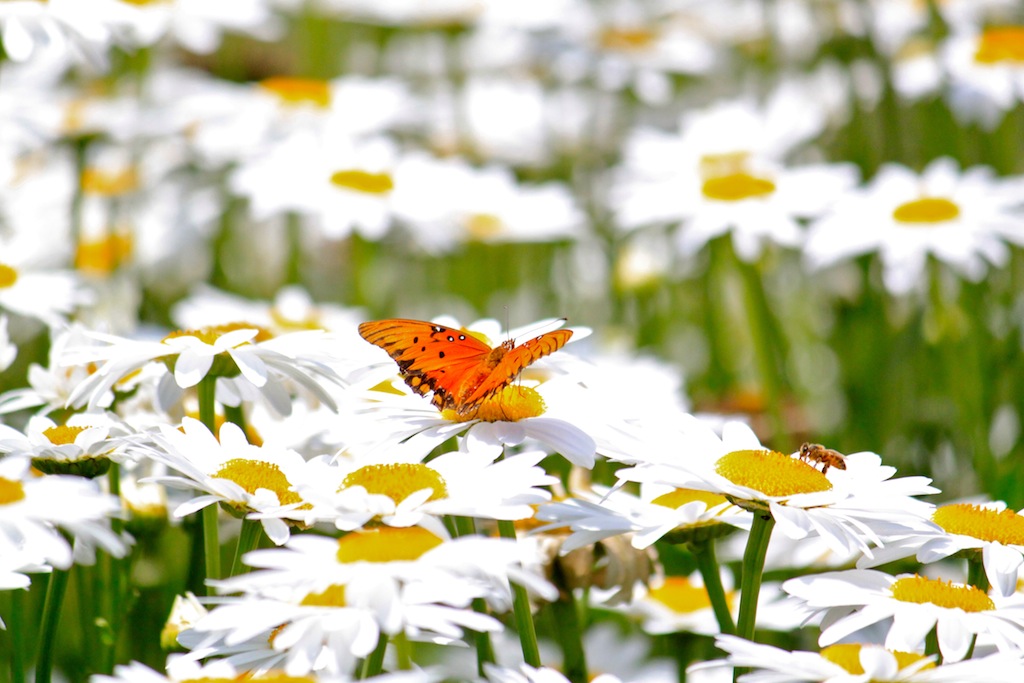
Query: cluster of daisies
pixel 317 516
pixel 357 522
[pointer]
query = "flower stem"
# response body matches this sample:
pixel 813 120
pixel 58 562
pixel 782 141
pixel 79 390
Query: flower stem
pixel 765 340
pixel 976 577
pixel 750 582
pixel 707 563
pixel 211 541
pixel 521 607
pixel 466 526
pixel 248 539
pixel 570 635
pixel 931 644
pixel 16 631
pixel 55 590
pixel 374 664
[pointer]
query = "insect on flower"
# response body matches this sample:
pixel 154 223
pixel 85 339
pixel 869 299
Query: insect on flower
pixel 814 453
pixel 460 369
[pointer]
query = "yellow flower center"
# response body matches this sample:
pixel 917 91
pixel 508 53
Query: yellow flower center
pixel 256 474
pixel 299 90
pixel 926 210
pixel 683 597
pixel 363 181
pixel 1006 527
pixel 109 183
pixel 680 497
pixel 1001 44
pixel 209 335
pixel 103 256
pixel 772 473
pixel 921 590
pixel 332 596
pixel 11 491
pixel 736 187
pixel 8 276
pixel 482 226
pixel 398 481
pixel 627 39
pixel 386 544
pixel 62 434
pixel 847 655
pixel 511 404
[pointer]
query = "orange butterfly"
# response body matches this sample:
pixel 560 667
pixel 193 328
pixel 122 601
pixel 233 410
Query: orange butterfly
pixel 460 369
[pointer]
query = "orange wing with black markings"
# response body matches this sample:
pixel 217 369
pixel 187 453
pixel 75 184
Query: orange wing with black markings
pixel 458 368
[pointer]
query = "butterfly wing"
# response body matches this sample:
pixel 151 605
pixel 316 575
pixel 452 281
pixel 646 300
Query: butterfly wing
pixel 431 357
pixel 513 362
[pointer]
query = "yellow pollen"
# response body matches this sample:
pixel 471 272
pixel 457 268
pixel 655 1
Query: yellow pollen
pixel 386 544
pixel 922 590
pixel 332 596
pixel 680 497
pixel 398 480
pixel 847 655
pixel 1006 527
pixel 109 183
pixel 1001 44
pixel 8 276
pixel 627 39
pixel 103 256
pixel 771 472
pixel 11 491
pixel 256 474
pixel 209 335
pixel 482 226
pixel 736 187
pixel 682 597
pixel 510 404
pixel 926 210
pixel 363 181
pixel 299 90
pixel 62 434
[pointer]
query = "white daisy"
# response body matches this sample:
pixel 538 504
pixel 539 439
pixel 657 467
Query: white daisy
pixel 963 219
pixel 228 470
pixel 987 531
pixel 181 669
pixel 247 361
pixel 986 71
pixel 858 598
pixel 850 509
pixel 34 508
pixel 446 203
pixel 198 26
pixel 81 29
pixel 402 491
pixel 85 445
pixel 725 172
pixel 605 512
pixel 856 663
pixel 36 292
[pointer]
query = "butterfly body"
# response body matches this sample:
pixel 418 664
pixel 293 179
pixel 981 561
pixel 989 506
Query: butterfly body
pixel 460 369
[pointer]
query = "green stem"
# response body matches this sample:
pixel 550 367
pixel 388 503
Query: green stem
pixel 753 566
pixel 976 577
pixel 211 543
pixel 16 630
pixel 707 563
pixel 113 573
pixel 248 539
pixel 55 591
pixel 211 540
pixel 521 607
pixel 293 266
pixel 236 416
pixel 466 526
pixel 374 664
pixel 931 644
pixel 403 651
pixel 570 636
pixel 767 352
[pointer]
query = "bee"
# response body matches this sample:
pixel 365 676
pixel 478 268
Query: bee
pixel 814 453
